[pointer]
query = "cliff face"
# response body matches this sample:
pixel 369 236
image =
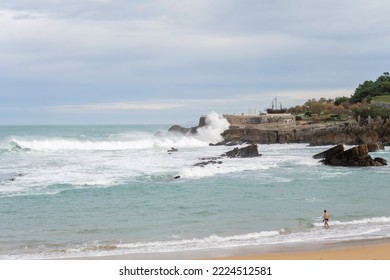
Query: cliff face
pixel 253 135
pixel 349 133
pixel 276 129
pixel 268 136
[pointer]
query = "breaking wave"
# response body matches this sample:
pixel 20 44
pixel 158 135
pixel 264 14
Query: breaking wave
pixel 348 230
pixel 174 245
pixel 215 125
pixel 374 220
pixel 211 132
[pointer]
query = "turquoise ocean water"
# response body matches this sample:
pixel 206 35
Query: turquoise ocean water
pixel 82 191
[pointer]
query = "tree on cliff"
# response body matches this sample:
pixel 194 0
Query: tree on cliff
pixel 341 100
pixel 322 106
pixel 369 89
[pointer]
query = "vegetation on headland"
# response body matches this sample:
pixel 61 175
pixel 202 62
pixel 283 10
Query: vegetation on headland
pixel 319 122
pixel 371 98
pixel 381 99
pixel 369 89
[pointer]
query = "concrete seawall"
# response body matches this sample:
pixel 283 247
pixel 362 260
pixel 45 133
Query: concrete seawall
pixel 260 120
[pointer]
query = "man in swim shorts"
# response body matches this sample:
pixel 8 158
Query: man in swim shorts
pixel 326 219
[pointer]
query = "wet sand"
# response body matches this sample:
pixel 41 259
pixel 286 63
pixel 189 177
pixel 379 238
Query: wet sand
pixel 371 249
pixel 349 250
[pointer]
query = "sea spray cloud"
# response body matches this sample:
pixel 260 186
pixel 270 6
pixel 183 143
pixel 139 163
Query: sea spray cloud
pixel 215 125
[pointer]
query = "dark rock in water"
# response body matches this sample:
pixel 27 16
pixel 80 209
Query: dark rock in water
pixel 204 163
pixel 356 156
pixel 210 158
pixel 9 176
pixel 381 160
pixel 249 151
pixel 179 129
pixel 202 121
pixel 158 134
pixel 184 130
pixel 328 153
pixel 15 147
pixel 177 177
pixel 229 143
pixel 171 150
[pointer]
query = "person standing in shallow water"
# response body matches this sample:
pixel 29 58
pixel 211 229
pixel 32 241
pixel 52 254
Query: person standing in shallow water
pixel 326 219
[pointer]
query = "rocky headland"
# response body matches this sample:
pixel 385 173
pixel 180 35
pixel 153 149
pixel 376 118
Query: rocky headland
pixel 376 133
pixel 369 135
pixel 284 129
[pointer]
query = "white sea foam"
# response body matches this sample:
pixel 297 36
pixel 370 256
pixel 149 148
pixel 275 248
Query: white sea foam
pixel 215 125
pixel 58 144
pixel 227 166
pixel 174 245
pixel 213 241
pixel 348 230
pixel 105 163
pixel 374 220
pixel 285 182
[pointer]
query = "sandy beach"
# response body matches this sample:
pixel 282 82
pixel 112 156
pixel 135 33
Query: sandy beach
pixel 371 249
pixel 350 250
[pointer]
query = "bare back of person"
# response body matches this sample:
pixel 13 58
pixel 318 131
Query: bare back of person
pixel 326 219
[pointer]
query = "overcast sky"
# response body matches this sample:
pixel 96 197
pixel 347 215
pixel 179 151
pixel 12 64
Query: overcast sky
pixel 170 61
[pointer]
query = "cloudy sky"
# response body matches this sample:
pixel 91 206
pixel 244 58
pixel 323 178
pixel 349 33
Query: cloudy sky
pixel 170 61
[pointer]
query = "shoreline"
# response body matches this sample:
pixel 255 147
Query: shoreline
pixel 362 249
pixel 365 249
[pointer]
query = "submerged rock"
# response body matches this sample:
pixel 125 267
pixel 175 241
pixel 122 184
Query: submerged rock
pixel 229 143
pixel 185 130
pixel 381 160
pixel 208 160
pixel 171 150
pixel 204 163
pixel 179 129
pixel 10 176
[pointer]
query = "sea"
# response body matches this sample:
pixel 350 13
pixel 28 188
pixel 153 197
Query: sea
pixel 109 190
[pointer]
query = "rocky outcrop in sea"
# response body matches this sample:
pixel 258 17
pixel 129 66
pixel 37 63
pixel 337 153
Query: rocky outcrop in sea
pixel 188 130
pixel 245 152
pixel 356 156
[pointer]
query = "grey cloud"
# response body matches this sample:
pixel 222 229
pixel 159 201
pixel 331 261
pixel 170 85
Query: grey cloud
pixel 186 49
